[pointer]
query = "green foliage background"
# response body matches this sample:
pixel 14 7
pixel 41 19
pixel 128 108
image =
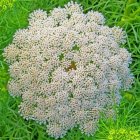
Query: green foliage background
pixel 123 13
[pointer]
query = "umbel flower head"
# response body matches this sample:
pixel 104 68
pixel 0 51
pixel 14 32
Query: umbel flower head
pixel 67 67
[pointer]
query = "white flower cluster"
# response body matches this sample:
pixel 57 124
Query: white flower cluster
pixel 68 68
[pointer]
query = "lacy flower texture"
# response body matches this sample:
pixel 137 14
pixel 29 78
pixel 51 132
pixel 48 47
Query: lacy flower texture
pixel 68 68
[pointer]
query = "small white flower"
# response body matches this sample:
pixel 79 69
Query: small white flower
pixel 65 66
